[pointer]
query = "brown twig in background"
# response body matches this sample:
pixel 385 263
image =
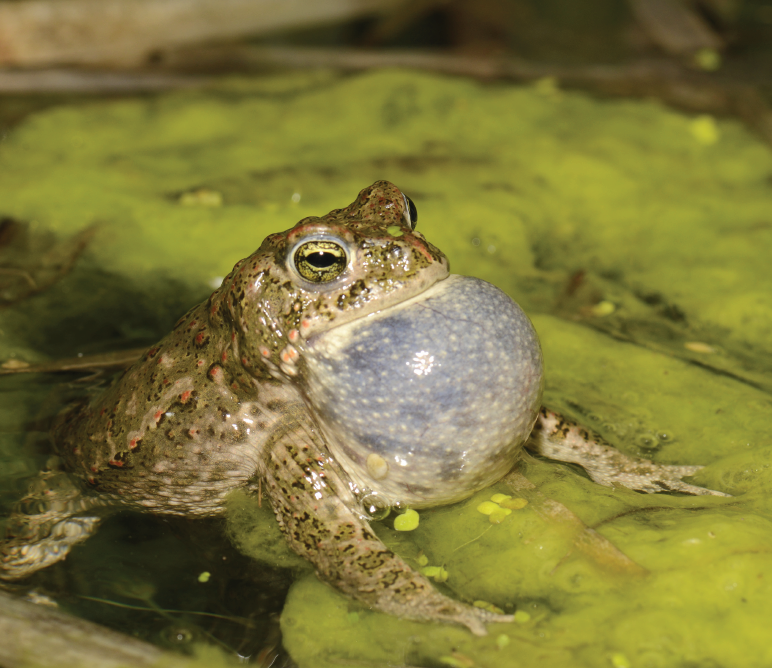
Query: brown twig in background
pixel 664 79
pixel 48 32
pixel 92 82
pixel 674 26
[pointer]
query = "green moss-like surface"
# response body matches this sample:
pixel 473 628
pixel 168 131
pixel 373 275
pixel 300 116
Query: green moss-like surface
pixel 705 586
pixel 253 529
pixel 564 202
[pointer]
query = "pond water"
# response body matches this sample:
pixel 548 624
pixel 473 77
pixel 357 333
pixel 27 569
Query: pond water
pixel 635 237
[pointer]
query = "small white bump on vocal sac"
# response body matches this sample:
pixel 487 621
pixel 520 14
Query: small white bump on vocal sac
pixel 377 467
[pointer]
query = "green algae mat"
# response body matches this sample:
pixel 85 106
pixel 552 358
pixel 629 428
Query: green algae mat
pixel 636 238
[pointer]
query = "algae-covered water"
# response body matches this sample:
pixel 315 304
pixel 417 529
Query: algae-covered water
pixel 635 237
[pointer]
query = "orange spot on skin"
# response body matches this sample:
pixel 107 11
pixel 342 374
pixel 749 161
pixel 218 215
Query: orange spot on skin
pixel 192 324
pixel 294 335
pixel 133 443
pixel 200 338
pixel 193 431
pixel 115 462
pixel 421 249
pixel 158 415
pixel 265 352
pixel 185 396
pixel 91 480
pixel 200 363
pixel 224 355
pixel 94 469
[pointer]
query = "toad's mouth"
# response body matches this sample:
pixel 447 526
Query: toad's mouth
pixel 428 400
pixel 360 298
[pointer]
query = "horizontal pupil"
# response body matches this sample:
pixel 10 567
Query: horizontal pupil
pixel 322 260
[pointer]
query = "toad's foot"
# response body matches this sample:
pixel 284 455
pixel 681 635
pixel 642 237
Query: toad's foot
pixel 556 438
pixel 44 525
pixel 318 514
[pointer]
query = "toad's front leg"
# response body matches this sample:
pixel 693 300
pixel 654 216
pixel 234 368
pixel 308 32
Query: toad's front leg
pixel 555 437
pixel 46 523
pixel 317 512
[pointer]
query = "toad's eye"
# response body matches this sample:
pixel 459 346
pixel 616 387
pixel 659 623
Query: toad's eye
pixel 411 213
pixel 320 261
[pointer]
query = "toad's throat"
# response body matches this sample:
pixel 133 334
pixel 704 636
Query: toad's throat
pixel 431 400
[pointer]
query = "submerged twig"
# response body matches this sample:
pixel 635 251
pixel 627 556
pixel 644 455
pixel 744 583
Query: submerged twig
pixel 36 635
pixel 585 540
pixel 169 611
pixel 31 261
pixel 99 362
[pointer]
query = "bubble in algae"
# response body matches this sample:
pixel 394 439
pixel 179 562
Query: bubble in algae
pixel 647 441
pixel 177 635
pixel 375 506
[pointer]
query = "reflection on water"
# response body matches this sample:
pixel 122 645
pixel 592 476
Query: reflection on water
pixel 173 583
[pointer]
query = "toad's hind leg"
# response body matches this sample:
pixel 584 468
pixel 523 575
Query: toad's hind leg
pixel 317 511
pixel 53 516
pixel 557 438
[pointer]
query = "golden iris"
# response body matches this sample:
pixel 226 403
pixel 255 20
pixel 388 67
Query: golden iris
pixel 320 261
